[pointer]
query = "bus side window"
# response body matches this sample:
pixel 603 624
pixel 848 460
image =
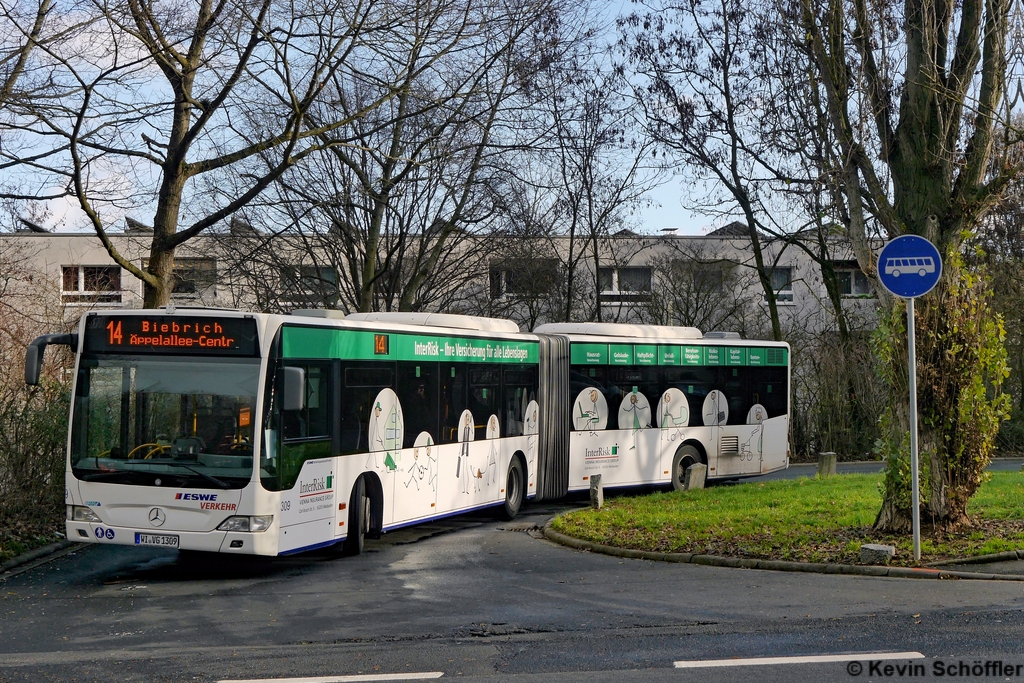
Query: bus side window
pixel 452 400
pixel 696 382
pixel 770 386
pixel 305 434
pixel 734 383
pixel 313 421
pixel 519 386
pixel 361 383
pixel 417 392
pixel 484 395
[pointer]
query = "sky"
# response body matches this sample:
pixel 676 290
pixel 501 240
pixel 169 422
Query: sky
pixel 663 206
pixel 667 211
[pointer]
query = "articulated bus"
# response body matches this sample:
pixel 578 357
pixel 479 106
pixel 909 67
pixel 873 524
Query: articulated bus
pixel 223 431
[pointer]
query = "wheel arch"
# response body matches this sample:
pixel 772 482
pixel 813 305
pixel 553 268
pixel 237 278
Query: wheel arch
pixel 522 463
pixel 375 491
pixel 700 449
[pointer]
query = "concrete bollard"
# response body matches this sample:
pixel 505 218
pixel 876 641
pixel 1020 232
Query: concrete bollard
pixel 826 465
pixel 874 553
pixel 596 492
pixel 694 477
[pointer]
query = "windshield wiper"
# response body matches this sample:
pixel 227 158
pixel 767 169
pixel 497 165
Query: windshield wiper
pixel 105 475
pixel 208 477
pixel 97 476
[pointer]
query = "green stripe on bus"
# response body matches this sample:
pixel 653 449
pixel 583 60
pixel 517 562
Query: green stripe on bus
pixel 649 354
pixel 669 355
pixel 645 354
pixel 693 355
pixel 620 354
pixel 319 342
pixel 588 354
pixel 736 356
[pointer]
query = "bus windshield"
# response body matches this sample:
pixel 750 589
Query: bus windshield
pixel 183 422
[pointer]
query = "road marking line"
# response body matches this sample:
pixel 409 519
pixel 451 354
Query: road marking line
pixel 356 678
pixel 810 659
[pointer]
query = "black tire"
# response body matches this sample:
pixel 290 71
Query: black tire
pixel 358 519
pixel 685 456
pixel 513 490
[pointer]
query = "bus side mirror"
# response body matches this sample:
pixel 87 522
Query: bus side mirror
pixel 34 353
pixel 293 391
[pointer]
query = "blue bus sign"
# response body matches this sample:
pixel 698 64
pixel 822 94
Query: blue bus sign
pixel 909 266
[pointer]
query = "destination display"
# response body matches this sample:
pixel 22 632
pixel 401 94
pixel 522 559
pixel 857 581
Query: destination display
pixel 171 334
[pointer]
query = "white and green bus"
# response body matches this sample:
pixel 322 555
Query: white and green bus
pixel 649 401
pixel 224 431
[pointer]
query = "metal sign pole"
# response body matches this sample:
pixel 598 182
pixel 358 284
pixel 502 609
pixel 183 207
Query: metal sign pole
pixel 910 266
pixel 916 491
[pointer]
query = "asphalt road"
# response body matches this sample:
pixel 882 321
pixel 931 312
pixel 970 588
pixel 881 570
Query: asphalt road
pixel 483 600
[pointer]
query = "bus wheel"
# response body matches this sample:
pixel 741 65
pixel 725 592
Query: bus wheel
pixel 686 455
pixel 513 490
pixel 358 519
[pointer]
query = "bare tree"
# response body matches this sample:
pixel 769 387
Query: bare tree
pixel 588 167
pixel 33 420
pixel 698 287
pixel 166 108
pixel 395 202
pixel 28 32
pixel 699 73
pixel 913 95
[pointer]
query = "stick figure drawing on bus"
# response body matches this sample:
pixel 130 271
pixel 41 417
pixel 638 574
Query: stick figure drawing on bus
pixel 431 467
pixel 492 455
pixel 588 418
pixel 716 409
pixel 590 411
pixel 674 414
pixel 376 439
pixel 416 470
pixel 532 427
pixel 462 467
pixel 385 431
pixel 756 417
pixel 428 466
pixel 634 413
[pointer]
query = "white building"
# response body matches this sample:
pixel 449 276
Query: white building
pixel 709 282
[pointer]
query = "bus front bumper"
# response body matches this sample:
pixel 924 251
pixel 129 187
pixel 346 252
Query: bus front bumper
pixel 237 542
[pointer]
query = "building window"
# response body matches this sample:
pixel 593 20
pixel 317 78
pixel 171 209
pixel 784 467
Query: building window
pixel 627 283
pixel 852 280
pixel 91 284
pixel 782 284
pixel 309 285
pixel 193 276
pixel 523 277
pixel 694 277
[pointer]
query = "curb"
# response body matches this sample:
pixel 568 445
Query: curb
pixel 776 565
pixel 31 555
pixel 1007 556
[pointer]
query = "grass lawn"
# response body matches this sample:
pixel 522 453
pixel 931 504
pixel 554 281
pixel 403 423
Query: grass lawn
pixel 804 519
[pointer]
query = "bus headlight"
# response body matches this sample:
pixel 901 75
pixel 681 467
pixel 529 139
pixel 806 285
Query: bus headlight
pixel 242 523
pixel 80 513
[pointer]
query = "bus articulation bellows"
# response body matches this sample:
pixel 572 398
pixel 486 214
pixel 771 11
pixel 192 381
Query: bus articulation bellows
pixel 224 431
